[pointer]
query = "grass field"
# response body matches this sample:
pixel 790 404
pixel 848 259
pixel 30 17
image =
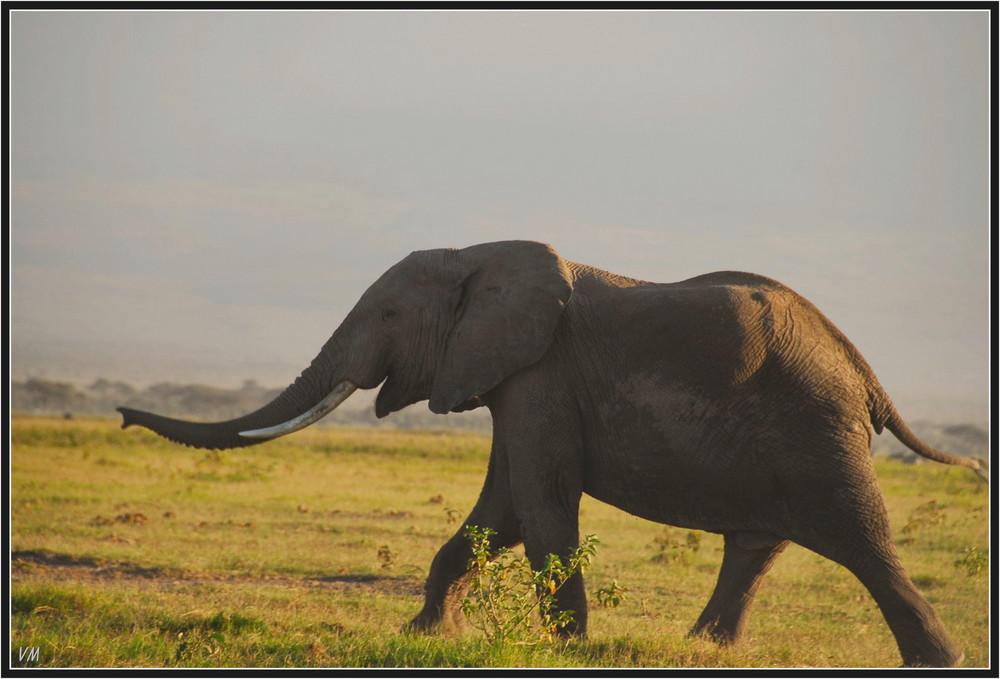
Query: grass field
pixel 311 551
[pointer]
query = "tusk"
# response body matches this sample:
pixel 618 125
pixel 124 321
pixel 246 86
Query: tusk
pixel 317 412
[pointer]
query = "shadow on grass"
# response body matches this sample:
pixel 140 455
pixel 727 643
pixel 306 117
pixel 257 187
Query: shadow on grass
pixel 45 557
pixel 84 566
pixel 390 584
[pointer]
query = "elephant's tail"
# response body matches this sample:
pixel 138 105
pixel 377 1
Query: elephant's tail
pixel 883 413
pixel 895 424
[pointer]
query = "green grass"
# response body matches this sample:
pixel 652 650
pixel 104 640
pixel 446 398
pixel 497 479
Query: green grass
pixel 311 551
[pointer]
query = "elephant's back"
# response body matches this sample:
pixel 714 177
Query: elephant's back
pixel 734 278
pixel 718 331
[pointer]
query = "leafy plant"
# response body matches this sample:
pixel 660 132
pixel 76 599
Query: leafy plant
pixel 673 549
pixel 386 558
pixel 973 561
pixel 613 595
pixel 926 515
pixel 506 593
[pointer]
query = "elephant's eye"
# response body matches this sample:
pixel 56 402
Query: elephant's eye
pixel 388 314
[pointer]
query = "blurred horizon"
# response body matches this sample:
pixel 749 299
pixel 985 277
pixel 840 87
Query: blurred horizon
pixel 200 197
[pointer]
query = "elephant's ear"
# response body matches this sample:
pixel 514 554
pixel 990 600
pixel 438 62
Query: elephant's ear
pixel 511 297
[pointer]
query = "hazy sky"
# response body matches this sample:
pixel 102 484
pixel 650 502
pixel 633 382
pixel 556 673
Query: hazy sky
pixel 202 196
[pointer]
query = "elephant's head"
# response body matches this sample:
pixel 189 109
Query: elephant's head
pixel 444 325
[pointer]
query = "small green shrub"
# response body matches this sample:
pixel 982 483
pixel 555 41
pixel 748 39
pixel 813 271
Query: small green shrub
pixel 974 562
pixel 673 549
pixel 506 593
pixel 613 595
pixel 926 515
pixel 386 558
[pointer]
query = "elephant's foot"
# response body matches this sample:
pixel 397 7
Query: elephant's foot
pixel 422 624
pixel 927 645
pixel 712 630
pixel 437 620
pixel 573 632
pixel 948 655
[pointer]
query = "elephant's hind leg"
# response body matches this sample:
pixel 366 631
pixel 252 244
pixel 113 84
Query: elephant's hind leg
pixel 449 577
pixel 747 556
pixel 920 634
pixel 850 525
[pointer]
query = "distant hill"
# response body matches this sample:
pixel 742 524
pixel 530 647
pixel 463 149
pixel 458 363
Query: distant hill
pixel 44 397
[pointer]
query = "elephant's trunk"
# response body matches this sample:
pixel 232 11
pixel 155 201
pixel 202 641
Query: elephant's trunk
pixel 305 401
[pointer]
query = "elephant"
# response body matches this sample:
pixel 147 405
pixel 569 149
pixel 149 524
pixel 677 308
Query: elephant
pixel 724 403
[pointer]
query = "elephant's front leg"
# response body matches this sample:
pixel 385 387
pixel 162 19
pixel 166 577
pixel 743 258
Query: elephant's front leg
pixel 544 534
pixel 450 576
pixel 547 491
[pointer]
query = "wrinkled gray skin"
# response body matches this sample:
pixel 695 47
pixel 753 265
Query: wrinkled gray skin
pixel 724 403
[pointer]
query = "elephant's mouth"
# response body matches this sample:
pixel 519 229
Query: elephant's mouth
pixel 317 412
pixel 400 389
